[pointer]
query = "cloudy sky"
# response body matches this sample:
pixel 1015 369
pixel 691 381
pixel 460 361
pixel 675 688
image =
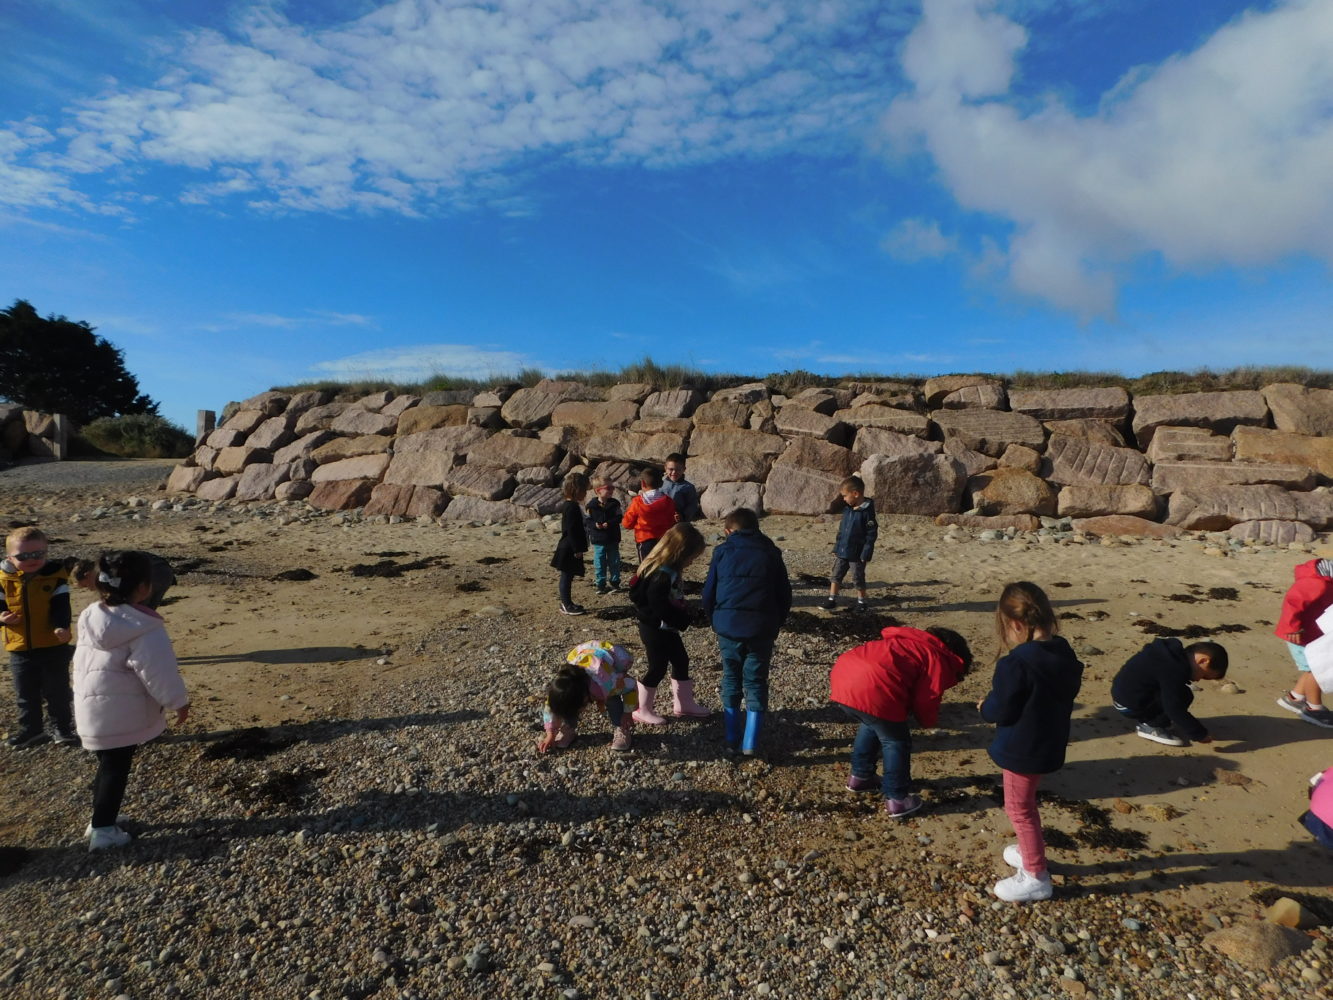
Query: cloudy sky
pixel 241 194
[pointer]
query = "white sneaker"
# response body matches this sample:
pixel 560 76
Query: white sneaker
pixel 1024 887
pixel 1013 857
pixel 121 820
pixel 103 837
pixel 1159 735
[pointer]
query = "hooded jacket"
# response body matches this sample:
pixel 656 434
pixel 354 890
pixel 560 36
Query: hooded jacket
pixel 1031 698
pixel 747 591
pixel 125 674
pixel 1159 675
pixel 42 597
pixel 905 672
pixel 857 532
pixel 1308 598
pixel 650 519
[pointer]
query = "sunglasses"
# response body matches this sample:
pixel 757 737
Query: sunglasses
pixel 30 556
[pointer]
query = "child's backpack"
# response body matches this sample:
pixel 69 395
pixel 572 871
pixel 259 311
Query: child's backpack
pixel 638 592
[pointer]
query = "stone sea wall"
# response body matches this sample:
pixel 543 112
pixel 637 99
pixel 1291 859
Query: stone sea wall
pixel 29 434
pixel 961 448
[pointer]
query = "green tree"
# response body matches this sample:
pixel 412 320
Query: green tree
pixel 56 365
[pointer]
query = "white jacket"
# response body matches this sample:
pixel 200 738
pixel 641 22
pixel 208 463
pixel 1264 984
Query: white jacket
pixel 125 673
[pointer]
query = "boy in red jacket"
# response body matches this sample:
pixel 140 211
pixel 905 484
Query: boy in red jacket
pixel 879 685
pixel 651 513
pixel 1309 597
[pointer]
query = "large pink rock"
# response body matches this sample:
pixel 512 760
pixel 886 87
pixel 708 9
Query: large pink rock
pixel 259 481
pixel 217 489
pixel 724 468
pixel 369 467
pixel 480 481
pixel 244 421
pixel 913 484
pixel 1188 444
pixel 388 499
pixel 542 499
pixel 720 499
pixel 302 447
pixel 419 468
pixel 882 441
pixel 1257 444
pixel 888 418
pixel 425 418
pixel 354 420
pixel 1011 491
pixel 749 393
pixel 320 417
pixel 1020 456
pixel 820 456
pixel 1167 477
pixel 1077 460
pixel 1298 409
pixel 294 490
pixel 612 415
pixel 1109 403
pixel 427 501
pixel 305 400
pixel 399 405
pixel 1099 500
pixel 232 460
pixel 457 441
pixel 635 392
pixel 723 412
pixel 224 437
pixel 273 433
pixel 1097 431
pixel 509 451
pixel 270 403
pixel 1124 524
pixel 986 396
pixel 990 431
pixel 1216 508
pixel 936 389
pixel 672 403
pixel 994 522
pixel 1273 532
pixel 376 402
pixel 341 494
pixel 1218 411
pixel 1315 509
pixel 205 457
pixel 712 441
pixel 485 511
pixel 338 448
pixel 792 489
pixel 679 426
pixel 820 400
pixel 185 479
pixel 794 421
pixel 973 463
pixel 628 446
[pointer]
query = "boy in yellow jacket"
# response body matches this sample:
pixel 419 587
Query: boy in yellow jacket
pixel 36 623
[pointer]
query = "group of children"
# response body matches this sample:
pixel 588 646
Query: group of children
pixel 125 671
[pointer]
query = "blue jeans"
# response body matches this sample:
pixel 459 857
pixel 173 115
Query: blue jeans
pixel 889 741
pixel 606 564
pixel 745 665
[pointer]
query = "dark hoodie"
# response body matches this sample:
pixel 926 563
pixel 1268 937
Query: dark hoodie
pixel 1156 679
pixel 1031 699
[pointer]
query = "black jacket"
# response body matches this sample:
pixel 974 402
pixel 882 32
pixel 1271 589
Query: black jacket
pixel 1156 681
pixel 658 601
pixel 1031 699
pixel 573 543
pixel 609 513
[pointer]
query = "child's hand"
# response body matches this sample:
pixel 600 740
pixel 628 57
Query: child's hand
pixel 546 742
pixel 980 703
pixel 182 714
pixel 11 618
pixel 1293 637
pixel 61 633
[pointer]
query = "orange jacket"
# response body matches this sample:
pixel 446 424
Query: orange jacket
pixel 650 521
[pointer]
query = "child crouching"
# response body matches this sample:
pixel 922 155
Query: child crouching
pixel 594 671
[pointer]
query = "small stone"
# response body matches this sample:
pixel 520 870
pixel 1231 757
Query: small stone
pixel 582 920
pixel 1130 924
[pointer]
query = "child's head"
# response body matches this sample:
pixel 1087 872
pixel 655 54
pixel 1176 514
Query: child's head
pixel 575 486
pixel 1208 661
pixel 675 467
pixel 1023 610
pixel 568 693
pixel 81 571
pixel 26 548
pixel 852 490
pixel 680 546
pixel 124 577
pixel 603 487
pixel 955 644
pixel 650 479
pixel 741 519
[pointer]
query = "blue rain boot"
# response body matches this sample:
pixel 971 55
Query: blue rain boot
pixel 754 721
pixel 731 721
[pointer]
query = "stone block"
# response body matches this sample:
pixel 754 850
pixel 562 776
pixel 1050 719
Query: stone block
pixel 990 431
pixel 1272 532
pixel 791 489
pixel 1315 509
pixel 337 448
pixel 355 421
pixel 493 397
pixel 218 489
pixel 270 403
pixel 341 494
pixel 914 484
pixel 1167 477
pixel 882 441
pixel 506 450
pixel 793 421
pixel 672 403
pixel 388 499
pixel 904 399
pixel 485 511
pixel 1298 409
pixel 293 490
pixel 1257 444
pixel 1219 411
pixel 1108 403
pixel 749 393
pixel 1011 491
pixel 887 418
pixel 454 441
pixel 722 412
pixel 1217 508
pixel 1099 500
pixel 419 468
pixel 614 415
pixel 483 481
pixel 1124 524
pixel 244 421
pixel 305 400
pixel 820 400
pixel 427 501
pixel 973 462
pixel 259 481
pixel 370 467
pixel 542 499
pixel 376 401
pixel 625 475
pixel 1071 460
pixel 232 460
pixel 399 405
pixel 1096 431
pixel 449 397
pixel 206 457
pixel 485 416
pixel 634 392
pixel 1019 456
pixel 424 418
pixel 720 499
pixel 990 522
pixel 534 475
pixel 225 437
pixel 185 479
pixel 273 433
pixel 303 447
pixel 320 417
pixel 820 456
pixel 986 396
pixel 724 468
pixel 1188 444
pixel 714 441
pixel 935 389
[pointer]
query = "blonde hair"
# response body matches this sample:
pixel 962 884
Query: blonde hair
pixel 599 481
pixel 1027 604
pixel 575 486
pixel 679 545
pixel 28 533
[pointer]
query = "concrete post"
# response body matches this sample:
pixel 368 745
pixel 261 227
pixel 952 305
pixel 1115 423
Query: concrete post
pixel 60 437
pixel 205 421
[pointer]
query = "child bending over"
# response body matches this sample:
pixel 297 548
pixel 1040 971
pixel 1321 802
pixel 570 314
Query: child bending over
pixel 1153 689
pixel 595 671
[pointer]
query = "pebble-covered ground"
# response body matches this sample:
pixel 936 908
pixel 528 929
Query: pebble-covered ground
pixel 419 848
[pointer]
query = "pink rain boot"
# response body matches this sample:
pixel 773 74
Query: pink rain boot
pixel 683 703
pixel 644 713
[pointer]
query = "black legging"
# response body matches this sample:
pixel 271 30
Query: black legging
pixel 113 773
pixel 663 647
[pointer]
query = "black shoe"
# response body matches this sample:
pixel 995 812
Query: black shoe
pixel 572 609
pixel 830 603
pixel 22 741
pixel 603 589
pixel 68 739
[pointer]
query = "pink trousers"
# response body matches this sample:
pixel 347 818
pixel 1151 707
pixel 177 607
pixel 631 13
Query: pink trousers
pixel 1020 805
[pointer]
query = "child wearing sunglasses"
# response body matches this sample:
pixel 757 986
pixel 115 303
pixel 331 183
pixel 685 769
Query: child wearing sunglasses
pixel 36 624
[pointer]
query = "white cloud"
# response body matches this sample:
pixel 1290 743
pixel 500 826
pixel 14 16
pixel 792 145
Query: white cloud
pixel 918 239
pixel 414 364
pixel 1217 157
pixel 423 102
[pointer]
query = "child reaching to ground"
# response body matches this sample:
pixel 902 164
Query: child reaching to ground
pixel 568 558
pixel 855 545
pixel 595 671
pixel 905 671
pixel 658 593
pixel 125 674
pixel 1030 702
pixel 651 513
pixel 603 526
pixel 1310 595
pixel 1153 689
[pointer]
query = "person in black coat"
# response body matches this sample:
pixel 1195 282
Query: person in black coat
pixel 1153 689
pixel 568 558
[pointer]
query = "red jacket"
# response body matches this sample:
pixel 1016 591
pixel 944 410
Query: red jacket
pixel 1309 597
pixel 650 521
pixel 905 672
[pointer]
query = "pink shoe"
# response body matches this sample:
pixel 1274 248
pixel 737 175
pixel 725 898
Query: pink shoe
pixel 622 740
pixel 683 703
pixel 644 713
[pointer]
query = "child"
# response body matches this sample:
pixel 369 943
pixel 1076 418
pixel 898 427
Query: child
pixel 568 558
pixel 856 541
pixel 593 671
pixel 603 526
pixel 163 578
pixel 747 594
pixel 1309 596
pixel 1319 818
pixel 125 673
pixel 36 624
pixel 681 490
pixel 650 513
pixel 1153 689
pixel 658 593
pixel 878 684
pixel 1030 702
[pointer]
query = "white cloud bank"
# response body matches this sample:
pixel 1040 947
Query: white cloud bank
pixel 415 364
pixel 1217 157
pixel 423 102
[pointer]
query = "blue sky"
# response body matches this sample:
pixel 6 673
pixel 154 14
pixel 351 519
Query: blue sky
pixel 242 194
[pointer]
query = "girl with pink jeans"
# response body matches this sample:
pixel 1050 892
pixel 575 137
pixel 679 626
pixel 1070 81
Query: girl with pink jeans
pixel 1030 702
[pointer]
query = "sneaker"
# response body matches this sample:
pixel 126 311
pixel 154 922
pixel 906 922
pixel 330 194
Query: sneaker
pixel 564 736
pixel 1292 702
pixel 1158 735
pixel 103 837
pixel 616 587
pixel 855 783
pixel 621 740
pixel 830 603
pixel 899 808
pixel 22 741
pixel 1318 715
pixel 121 821
pixel 862 604
pixel 603 589
pixel 69 739
pixel 572 609
pixel 1013 857
pixel 1024 887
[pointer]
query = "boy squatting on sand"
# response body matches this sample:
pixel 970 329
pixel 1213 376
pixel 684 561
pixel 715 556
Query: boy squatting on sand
pixel 1153 689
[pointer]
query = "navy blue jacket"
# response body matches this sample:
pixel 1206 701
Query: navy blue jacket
pixel 1031 698
pixel 747 591
pixel 685 497
pixel 857 533
pixel 1156 681
pixel 609 512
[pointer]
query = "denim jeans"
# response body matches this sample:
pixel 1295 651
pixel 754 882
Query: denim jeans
pixel 43 675
pixel 745 664
pixel 888 741
pixel 606 564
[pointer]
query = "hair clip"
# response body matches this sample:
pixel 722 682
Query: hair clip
pixel 110 581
